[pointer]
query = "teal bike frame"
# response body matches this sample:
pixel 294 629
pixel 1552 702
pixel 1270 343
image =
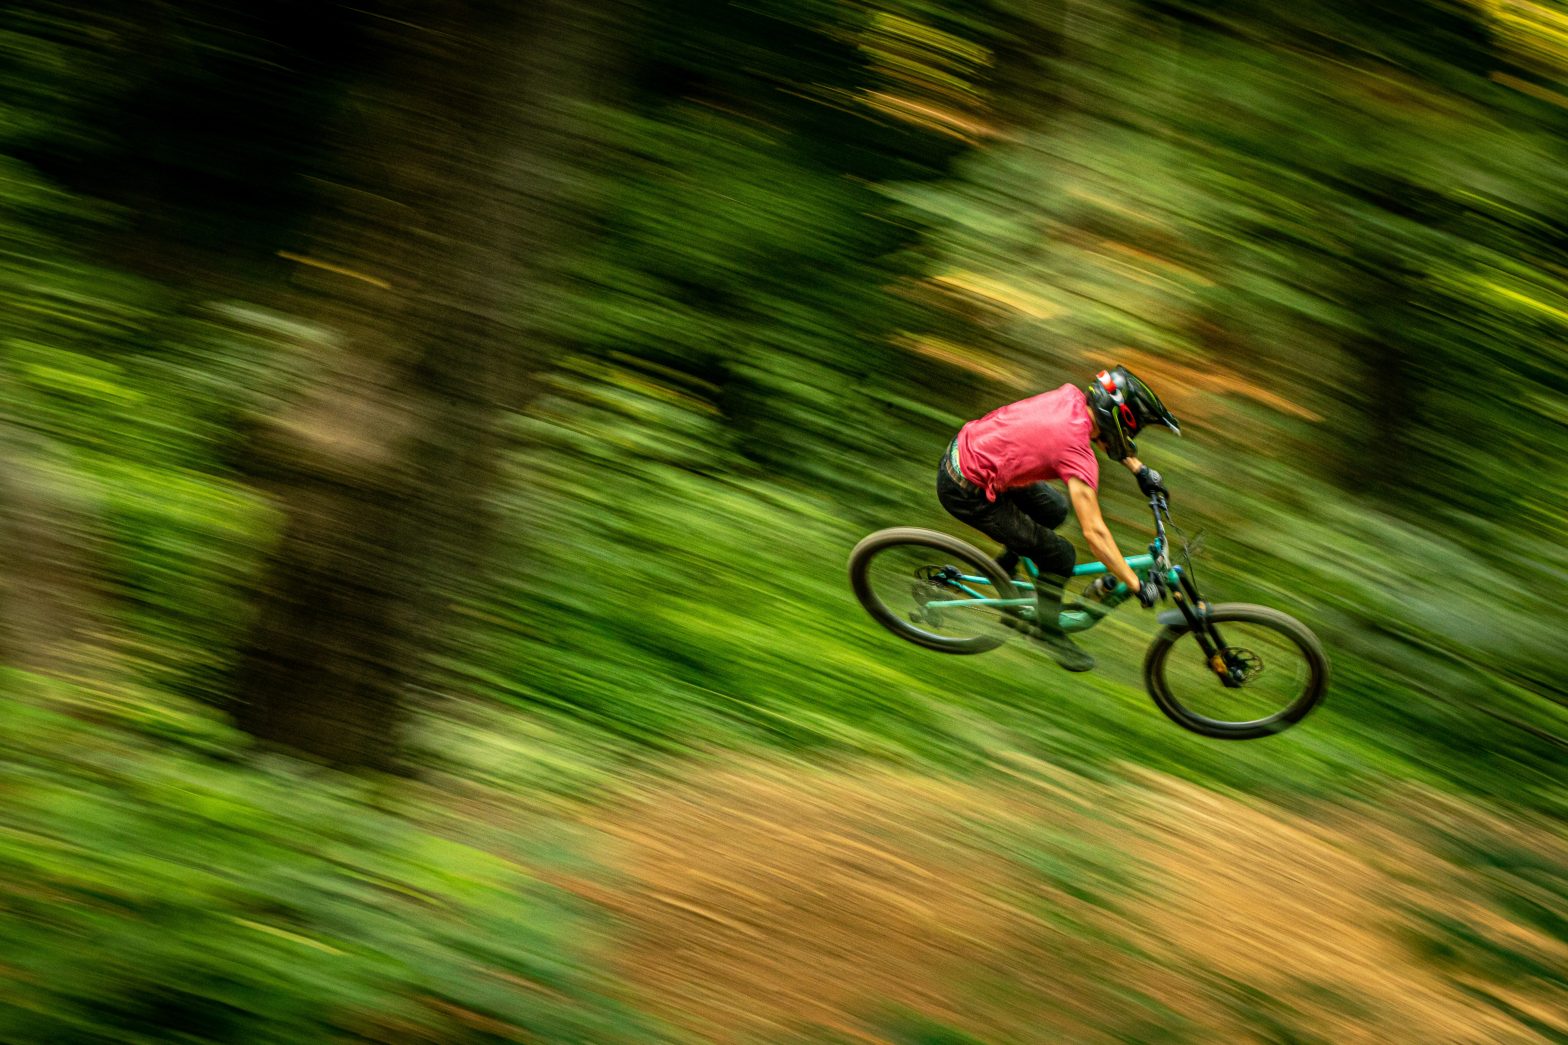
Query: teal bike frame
pixel 1075 616
pixel 1191 614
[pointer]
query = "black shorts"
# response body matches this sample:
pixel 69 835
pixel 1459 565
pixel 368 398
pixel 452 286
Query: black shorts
pixel 1023 520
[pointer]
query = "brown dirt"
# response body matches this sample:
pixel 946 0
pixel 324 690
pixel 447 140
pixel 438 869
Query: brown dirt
pixel 763 900
pixel 759 901
pixel 1309 914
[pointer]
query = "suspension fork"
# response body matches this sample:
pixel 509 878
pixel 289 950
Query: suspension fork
pixel 1203 629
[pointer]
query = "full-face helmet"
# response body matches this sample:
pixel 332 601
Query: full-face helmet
pixel 1123 407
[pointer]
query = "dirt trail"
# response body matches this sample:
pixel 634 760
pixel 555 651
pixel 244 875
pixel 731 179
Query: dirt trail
pixel 1314 915
pixel 759 902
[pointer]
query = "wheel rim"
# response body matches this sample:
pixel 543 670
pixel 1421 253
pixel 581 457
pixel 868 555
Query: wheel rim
pixel 909 583
pixel 1275 673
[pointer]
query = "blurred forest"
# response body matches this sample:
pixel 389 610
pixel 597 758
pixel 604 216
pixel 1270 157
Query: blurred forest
pixel 418 418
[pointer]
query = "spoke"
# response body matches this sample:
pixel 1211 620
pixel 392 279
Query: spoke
pixel 933 593
pixel 1266 670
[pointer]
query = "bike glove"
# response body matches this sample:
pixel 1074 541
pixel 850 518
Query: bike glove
pixel 1151 482
pixel 1148 594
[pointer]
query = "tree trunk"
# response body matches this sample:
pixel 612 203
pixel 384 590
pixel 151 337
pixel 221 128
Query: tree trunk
pixel 382 467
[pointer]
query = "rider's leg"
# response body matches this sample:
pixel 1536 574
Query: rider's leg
pixel 1005 521
pixel 1055 555
pixel 1042 502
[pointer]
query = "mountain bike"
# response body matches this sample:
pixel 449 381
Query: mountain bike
pixel 1233 671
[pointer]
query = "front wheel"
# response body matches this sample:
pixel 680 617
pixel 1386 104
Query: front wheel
pixel 1265 673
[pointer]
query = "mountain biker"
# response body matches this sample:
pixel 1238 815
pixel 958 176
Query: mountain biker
pixel 994 477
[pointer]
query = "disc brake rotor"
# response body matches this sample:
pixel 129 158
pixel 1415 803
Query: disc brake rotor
pixel 1243 664
pixel 929 588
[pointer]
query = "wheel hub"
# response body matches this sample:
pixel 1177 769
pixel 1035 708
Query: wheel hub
pixel 932 584
pixel 1242 665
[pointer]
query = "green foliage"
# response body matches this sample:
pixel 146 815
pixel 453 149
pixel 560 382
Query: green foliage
pixel 810 240
pixel 796 294
pixel 913 1029
pixel 156 888
pixel 1083 868
pixel 678 609
pixel 131 409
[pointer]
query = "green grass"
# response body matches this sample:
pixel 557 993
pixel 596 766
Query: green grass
pixel 160 883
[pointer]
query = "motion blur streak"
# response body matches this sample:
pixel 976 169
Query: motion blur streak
pixel 432 434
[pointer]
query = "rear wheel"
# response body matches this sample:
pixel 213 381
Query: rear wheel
pixel 1268 673
pixel 927 588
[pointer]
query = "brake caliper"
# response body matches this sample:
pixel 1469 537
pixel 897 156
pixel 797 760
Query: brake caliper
pixel 1237 666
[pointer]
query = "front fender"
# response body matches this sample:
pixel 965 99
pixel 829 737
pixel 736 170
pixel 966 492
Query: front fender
pixel 1176 619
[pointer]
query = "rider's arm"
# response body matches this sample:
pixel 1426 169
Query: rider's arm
pixel 1087 507
pixel 1149 481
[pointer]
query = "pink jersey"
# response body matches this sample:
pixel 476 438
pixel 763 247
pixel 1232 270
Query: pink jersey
pixel 1042 437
